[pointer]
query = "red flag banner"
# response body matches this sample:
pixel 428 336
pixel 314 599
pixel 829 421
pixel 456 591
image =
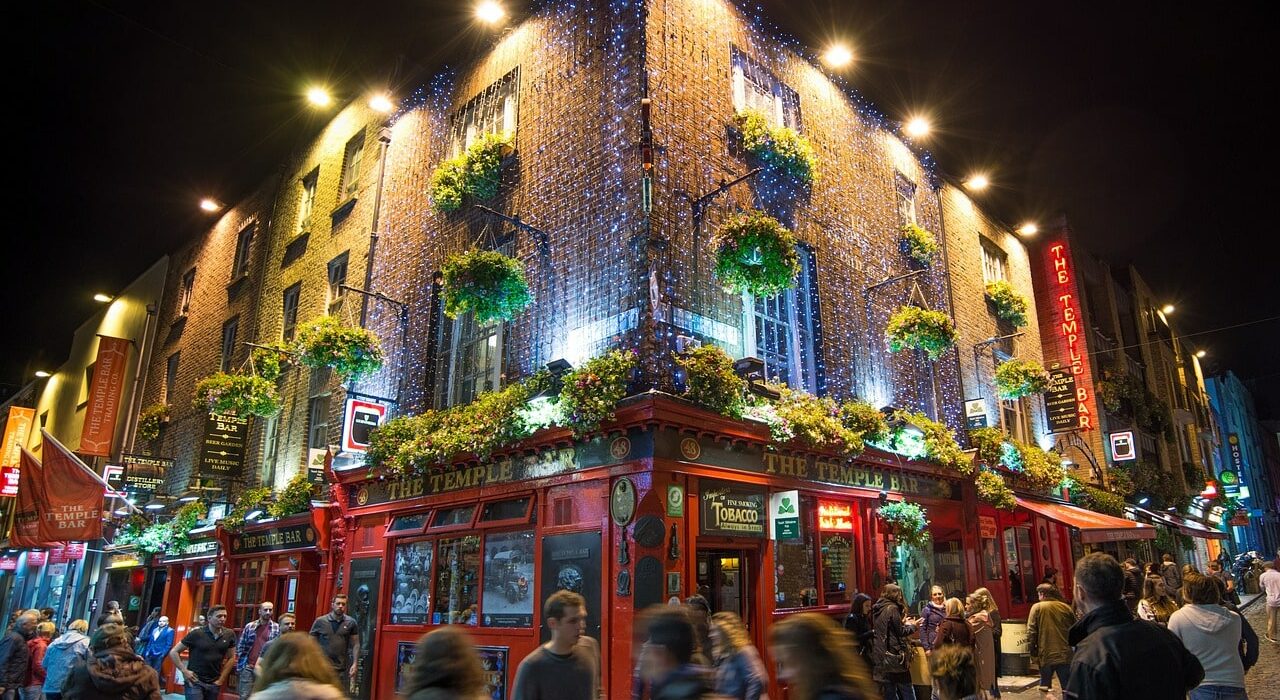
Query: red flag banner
pixel 73 496
pixel 75 550
pixel 104 396
pixel 28 505
pixel 37 557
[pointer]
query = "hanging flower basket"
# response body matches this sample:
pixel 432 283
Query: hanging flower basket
pixel 237 394
pixel 914 328
pixel 755 254
pixel 1036 468
pixel 485 282
pixel 269 362
pixel 919 244
pixel 294 498
pixel 350 351
pixel 778 147
pixel 246 502
pixel 906 521
pixel 591 393
pixel 150 421
pixel 1010 306
pixel 474 173
pixel 1018 378
pixel 993 490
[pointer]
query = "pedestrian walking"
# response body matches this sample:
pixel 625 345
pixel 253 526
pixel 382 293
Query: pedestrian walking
pixel 954 672
pixel 14 654
pixel 932 615
pixel 1270 583
pixel 253 638
pixel 984 644
pixel 445 667
pixel 1212 633
pixel 288 622
pixel 858 623
pixel 296 668
pixel 157 643
pixel 140 644
pixel 112 671
pixel 1048 623
pixel 1132 584
pixel 891 645
pixel 1172 577
pixel 561 669
pixel 816 660
pixel 72 646
pixel 33 684
pixel 739 672
pixel 1219 573
pixel 211 659
pixel 1156 605
pixel 339 637
pixel 1118 657
pixel 666 657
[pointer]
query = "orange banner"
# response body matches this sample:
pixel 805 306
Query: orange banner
pixel 16 432
pixel 104 397
pixel 72 496
pixel 30 504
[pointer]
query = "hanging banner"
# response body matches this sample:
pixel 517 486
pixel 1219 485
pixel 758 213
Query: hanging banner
pixel 222 447
pixel 8 563
pixel 37 557
pixel 58 554
pixel 105 387
pixel 8 481
pixel 359 420
pixel 16 431
pixel 75 550
pixel 784 515
pixel 73 496
pixel 28 504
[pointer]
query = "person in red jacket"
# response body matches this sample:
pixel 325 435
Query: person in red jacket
pixel 33 684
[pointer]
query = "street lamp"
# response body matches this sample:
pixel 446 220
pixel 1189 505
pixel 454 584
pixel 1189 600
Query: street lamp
pixel 918 127
pixel 103 298
pixel 1167 309
pixel 837 56
pixel 41 374
pixel 1201 353
pixel 209 205
pixel 977 183
pixel 318 96
pixel 1028 229
pixel 490 12
pixel 381 103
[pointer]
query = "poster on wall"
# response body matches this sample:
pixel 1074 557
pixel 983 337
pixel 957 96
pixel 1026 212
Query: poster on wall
pixel 507 600
pixel 494 662
pixel 991 559
pixel 411 584
pixel 572 563
pixel 362 602
pixel 405 653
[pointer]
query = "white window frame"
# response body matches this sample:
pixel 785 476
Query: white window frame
pixel 995 263
pixel 1014 420
pixel 800 322
pixel 754 87
pixel 336 293
pixel 229 342
pixel 188 292
pixel 352 156
pixel 307 199
pixel 465 386
pixel 905 197
pixel 318 422
pixel 495 110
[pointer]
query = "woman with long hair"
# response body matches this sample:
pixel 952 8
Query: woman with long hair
pixel 739 672
pixel 953 629
pixel 816 660
pixel 988 603
pixel 891 649
pixel 295 668
pixel 859 625
pixel 932 616
pixel 1156 604
pixel 984 648
pixel 445 667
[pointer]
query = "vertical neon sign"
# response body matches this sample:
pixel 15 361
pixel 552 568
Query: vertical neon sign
pixel 1071 330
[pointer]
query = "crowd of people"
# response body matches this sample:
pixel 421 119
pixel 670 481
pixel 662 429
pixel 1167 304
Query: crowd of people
pixel 1159 631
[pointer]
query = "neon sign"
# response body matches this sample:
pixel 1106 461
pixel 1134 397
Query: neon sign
pixel 835 516
pixel 1071 330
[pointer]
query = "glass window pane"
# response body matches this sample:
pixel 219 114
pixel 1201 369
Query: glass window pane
pixel 457 573
pixel 411 584
pixel 508 580
pixel 795 579
pixel 505 510
pixel 836 549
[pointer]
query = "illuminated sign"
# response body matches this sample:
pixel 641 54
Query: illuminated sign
pixel 835 516
pixel 1071 329
pixel 1122 447
pixel 361 419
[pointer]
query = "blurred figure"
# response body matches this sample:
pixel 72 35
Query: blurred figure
pixel 296 668
pixel 1217 572
pixel 858 623
pixel 1212 633
pixel 1249 650
pixel 666 658
pixel 1172 578
pixel 1050 576
pixel 288 622
pixel 984 645
pixel 739 672
pixel 33 687
pixel 953 629
pixel 700 615
pixel 113 671
pixel 953 671
pixel 1270 582
pixel 891 645
pixel 14 654
pixel 987 603
pixel 1132 584
pixel 445 667
pixel 140 644
pixel 1047 626
pixel 816 660
pixel 561 669
pixel 157 643
pixel 934 613
pixel 64 652
pixel 46 615
pixel 1156 605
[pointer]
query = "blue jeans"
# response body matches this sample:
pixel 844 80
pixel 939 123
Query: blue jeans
pixel 196 690
pixel 1218 692
pixel 1048 672
pixel 897 691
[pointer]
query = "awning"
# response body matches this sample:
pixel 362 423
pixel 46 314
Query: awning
pixel 1184 525
pixel 1093 527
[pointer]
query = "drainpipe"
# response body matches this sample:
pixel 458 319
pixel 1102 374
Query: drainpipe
pixel 384 143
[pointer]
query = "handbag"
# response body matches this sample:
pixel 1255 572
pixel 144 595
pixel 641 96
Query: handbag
pixel 919 667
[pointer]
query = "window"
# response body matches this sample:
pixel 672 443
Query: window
pixel 491 112
pixel 783 330
pixel 1018 560
pixel 291 296
pixel 270 446
pixel 337 278
pixel 307 200
pixel 457 581
pixel 411 583
pixel 757 89
pixel 1013 419
pixel 450 517
pixel 994 264
pixel 507 600
pixel 351 167
pixel 476 364
pixel 170 378
pixel 243 243
pixel 318 422
pixel 188 289
pixel 229 342
pixel 835 536
pixel 795 578
pixel 87 385
pixel 906 193
pixel 248 592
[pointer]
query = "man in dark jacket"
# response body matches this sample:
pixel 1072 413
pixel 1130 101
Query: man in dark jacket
pixel 1172 577
pixel 1132 585
pixel 1117 656
pixel 666 658
pixel 14 654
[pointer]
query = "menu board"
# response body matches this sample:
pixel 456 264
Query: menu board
pixel 222 446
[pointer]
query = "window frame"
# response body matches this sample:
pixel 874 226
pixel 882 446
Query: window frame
pixel 352 161
pixel 433 529
pixel 289 315
pixel 406 533
pixel 335 293
pixel 313 403
pixel 746 73
pixel 522 520
pixel 186 295
pixel 995 263
pixel 244 247
pixel 904 191
pixel 227 361
pixel 308 187
pixel 500 101
pixel 171 366
pixel 803 358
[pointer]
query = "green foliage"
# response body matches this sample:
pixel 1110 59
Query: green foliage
pixel 1125 395
pixel 591 392
pixel 817 422
pixel 919 244
pixel 152 538
pixel 1040 469
pixel 993 490
pixel 1010 306
pixel 248 501
pixel 270 361
pixel 711 382
pixel 1168 542
pixel 778 147
pixel 907 521
pixel 474 173
pixel 755 254
pixel 1097 500
pixel 237 394
pixel 150 420
pixel 186 520
pixel 911 327
pixel 485 282
pixel 939 442
pixel 1143 478
pixel 989 443
pixel 350 351
pixel 1018 378
pixel 294 498
pixel 864 419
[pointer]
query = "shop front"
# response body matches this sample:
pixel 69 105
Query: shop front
pixel 126 572
pixel 1188 540
pixel 278 561
pixel 190 576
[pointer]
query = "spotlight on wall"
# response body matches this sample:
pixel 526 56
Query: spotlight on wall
pixel 381 103
pixel 490 12
pixel 918 127
pixel 1028 229
pixel 254 514
pixel 837 56
pixel 977 183
pixel 209 205
pixel 1167 309
pixel 318 96
pixel 103 298
pixel 41 374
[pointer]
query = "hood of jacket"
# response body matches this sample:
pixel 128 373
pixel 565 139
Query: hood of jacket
pixel 881 604
pixel 301 689
pixel 69 639
pixel 1210 618
pixel 116 671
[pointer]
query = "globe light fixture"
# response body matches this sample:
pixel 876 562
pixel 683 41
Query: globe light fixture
pixel 490 12
pixel 837 56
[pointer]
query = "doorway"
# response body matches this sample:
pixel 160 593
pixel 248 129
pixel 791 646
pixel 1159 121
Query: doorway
pixel 724 579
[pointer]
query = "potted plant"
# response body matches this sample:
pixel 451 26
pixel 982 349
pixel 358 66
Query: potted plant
pixel 1010 306
pixel 237 394
pixel 918 244
pixel 906 521
pixel 294 498
pixel 351 351
pixel 487 283
pixel 474 172
pixel 914 328
pixel 270 361
pixel 778 147
pixel 1018 378
pixel 756 254
pixel 150 421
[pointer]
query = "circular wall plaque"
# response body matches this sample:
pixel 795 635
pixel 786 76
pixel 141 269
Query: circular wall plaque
pixel 648 531
pixel 622 502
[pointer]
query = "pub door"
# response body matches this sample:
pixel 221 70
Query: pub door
pixel 724 579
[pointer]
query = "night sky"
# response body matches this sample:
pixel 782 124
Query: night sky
pixel 1145 124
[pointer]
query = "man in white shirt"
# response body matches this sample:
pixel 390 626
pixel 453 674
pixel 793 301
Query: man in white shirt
pixel 1270 582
